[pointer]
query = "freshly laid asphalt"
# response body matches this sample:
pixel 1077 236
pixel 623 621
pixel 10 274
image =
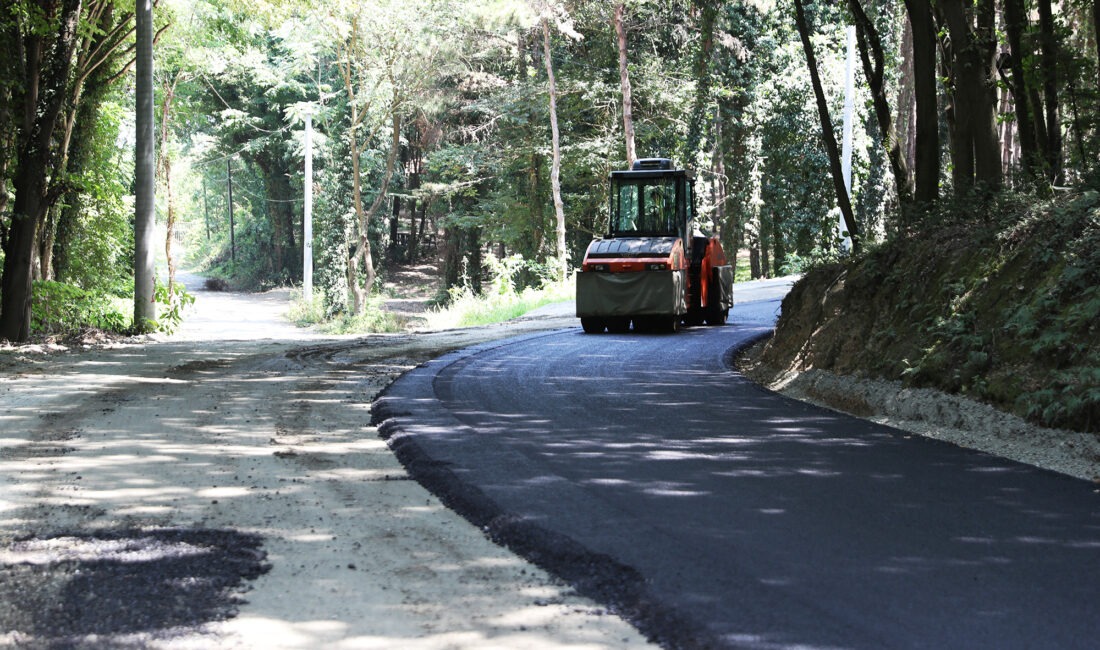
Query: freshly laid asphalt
pixel 713 513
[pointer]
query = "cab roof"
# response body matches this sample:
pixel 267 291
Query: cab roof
pixel 645 168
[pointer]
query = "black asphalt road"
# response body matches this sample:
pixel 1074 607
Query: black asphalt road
pixel 713 513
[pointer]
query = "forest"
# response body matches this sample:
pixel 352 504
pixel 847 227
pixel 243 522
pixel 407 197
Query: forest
pixel 485 130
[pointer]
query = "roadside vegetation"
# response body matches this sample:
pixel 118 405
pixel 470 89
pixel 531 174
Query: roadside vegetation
pixel 1000 304
pixel 501 300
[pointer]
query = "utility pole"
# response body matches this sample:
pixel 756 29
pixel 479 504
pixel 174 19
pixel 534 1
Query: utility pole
pixel 205 206
pixel 145 306
pixel 307 218
pixel 232 229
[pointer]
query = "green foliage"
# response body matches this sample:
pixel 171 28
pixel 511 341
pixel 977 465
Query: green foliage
pixel 502 300
pixel 95 247
pixel 795 264
pixel 171 301
pixel 373 319
pixel 63 309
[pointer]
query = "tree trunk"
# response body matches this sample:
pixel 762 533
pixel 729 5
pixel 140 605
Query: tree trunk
pixel 1015 20
pixel 416 162
pixel 42 99
pixel 1048 45
pixel 975 150
pixel 624 82
pixel 870 46
pixel 926 171
pixel 47 235
pixel 1007 135
pixel 697 117
pixel 362 251
pixel 827 132
pixel 718 163
pixel 555 168
pixel 395 216
pixel 8 57
pixel 169 93
pixel 1096 36
pixel 905 120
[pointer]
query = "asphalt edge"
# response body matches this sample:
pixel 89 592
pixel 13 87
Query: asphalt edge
pixel 618 587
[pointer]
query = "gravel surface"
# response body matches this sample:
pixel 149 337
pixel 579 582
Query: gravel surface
pixel 223 487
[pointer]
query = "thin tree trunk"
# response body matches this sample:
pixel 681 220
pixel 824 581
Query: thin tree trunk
pixel 1015 20
pixel 47 235
pixel 1007 135
pixel 829 138
pixel 395 217
pixel 871 46
pixel 1048 45
pixel 555 169
pixel 413 184
pixel 362 249
pixel 718 161
pixel 905 121
pixel 1096 36
pixel 166 174
pixel 624 82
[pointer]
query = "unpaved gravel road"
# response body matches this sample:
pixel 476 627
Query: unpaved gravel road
pixel 223 488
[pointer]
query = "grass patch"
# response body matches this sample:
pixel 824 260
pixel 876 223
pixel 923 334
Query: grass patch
pixel 496 306
pixel 373 320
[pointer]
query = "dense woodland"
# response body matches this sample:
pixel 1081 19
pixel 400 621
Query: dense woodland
pixel 476 129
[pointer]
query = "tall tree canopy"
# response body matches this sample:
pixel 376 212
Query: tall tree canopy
pixel 476 129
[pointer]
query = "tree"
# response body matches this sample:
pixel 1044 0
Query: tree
pixel 386 66
pixel 1048 45
pixel 926 172
pixel 827 131
pixel 1015 21
pixel 705 49
pixel 873 58
pixel 363 83
pixel 1096 36
pixel 48 40
pixel 969 63
pixel 555 166
pixel 101 58
pixel 624 83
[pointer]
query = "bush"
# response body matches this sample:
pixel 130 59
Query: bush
pixel 373 319
pixel 502 300
pixel 58 308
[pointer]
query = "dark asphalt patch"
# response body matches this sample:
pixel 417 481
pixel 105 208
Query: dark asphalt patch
pixel 594 575
pixel 597 576
pixel 60 589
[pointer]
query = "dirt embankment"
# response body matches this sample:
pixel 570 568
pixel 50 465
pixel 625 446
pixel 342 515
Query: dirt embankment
pixel 989 331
